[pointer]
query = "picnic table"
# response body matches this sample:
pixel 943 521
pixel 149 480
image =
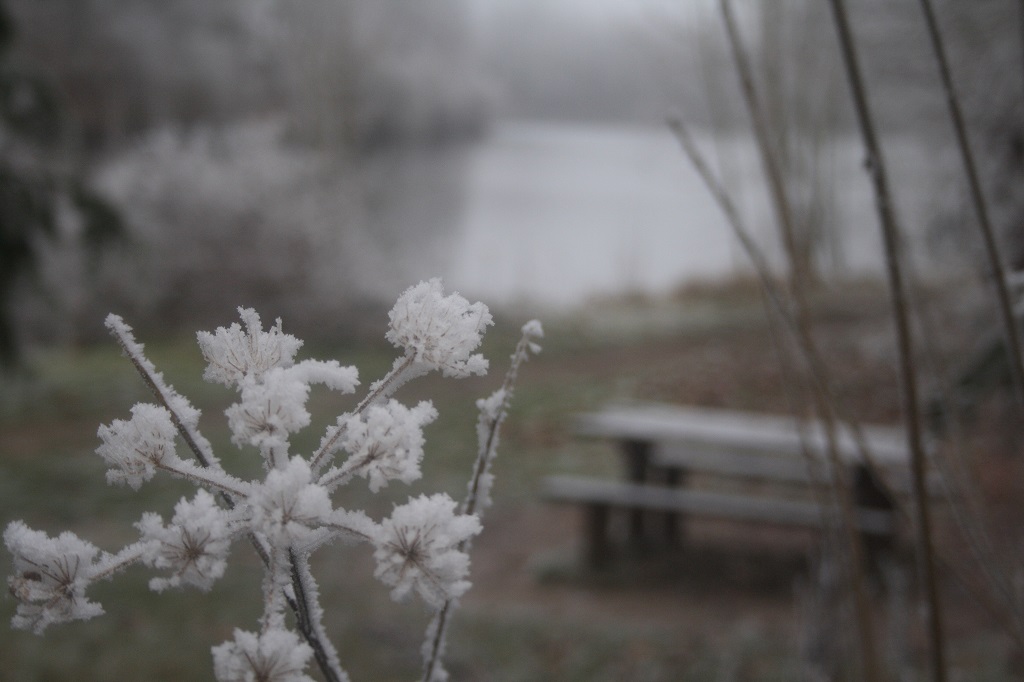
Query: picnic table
pixel 661 446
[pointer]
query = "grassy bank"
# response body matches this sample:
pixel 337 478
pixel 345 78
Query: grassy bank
pixel 531 615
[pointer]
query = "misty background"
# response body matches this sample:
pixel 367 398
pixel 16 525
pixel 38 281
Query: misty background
pixel 314 159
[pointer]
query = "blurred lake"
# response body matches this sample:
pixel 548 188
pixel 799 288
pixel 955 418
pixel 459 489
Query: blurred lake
pixel 556 213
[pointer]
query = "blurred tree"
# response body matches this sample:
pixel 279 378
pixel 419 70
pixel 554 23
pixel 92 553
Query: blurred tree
pixel 35 190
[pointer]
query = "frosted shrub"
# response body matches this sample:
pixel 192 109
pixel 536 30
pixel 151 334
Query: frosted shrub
pixel 421 548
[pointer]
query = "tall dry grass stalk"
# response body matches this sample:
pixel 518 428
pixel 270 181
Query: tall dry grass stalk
pixel 905 344
pixel 993 584
pixel 995 262
pixel 771 163
pixel 839 489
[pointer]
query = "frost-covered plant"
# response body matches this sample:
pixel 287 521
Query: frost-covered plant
pixel 422 547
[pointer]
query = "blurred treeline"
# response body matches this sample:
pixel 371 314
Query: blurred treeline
pixel 254 149
pixel 242 143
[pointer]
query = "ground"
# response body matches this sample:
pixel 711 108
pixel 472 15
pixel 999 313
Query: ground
pixel 730 582
pixel 731 606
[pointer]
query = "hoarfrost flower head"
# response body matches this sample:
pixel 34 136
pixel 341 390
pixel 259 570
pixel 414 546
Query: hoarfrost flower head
pixel 232 354
pixel 135 447
pixel 418 548
pixel 438 331
pixel 274 656
pixel 288 507
pixel 533 330
pixel 386 443
pixel 194 546
pixel 50 577
pixel 270 409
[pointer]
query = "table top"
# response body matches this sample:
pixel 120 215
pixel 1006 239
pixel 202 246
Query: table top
pixel 739 432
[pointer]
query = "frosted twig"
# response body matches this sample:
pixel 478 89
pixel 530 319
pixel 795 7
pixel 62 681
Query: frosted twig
pixel 212 479
pixel 379 390
pixel 114 563
pixel 492 412
pixel 184 415
pixel 309 618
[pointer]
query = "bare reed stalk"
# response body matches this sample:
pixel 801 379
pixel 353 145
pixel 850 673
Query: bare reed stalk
pixel 995 262
pixel 908 374
pixel 1002 597
pixel 800 276
pixel 822 395
pixel 798 269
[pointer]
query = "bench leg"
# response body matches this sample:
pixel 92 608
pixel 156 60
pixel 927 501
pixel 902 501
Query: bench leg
pixel 637 459
pixel 673 527
pixel 869 493
pixel 596 546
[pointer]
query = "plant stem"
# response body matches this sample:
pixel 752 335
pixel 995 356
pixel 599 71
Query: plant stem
pixel 124 558
pixel 164 394
pixel 222 483
pixel 1011 329
pixel 908 374
pixel 488 438
pixel 308 622
pixel 381 389
pixel 795 321
pixel 799 267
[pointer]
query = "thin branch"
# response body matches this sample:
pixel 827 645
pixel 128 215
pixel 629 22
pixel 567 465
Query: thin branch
pixel 165 394
pixel 113 563
pixel 397 376
pixel 199 475
pixel 307 617
pixel 908 374
pixel 960 490
pixel 488 427
pixel 795 321
pixel 769 152
pixel 1011 328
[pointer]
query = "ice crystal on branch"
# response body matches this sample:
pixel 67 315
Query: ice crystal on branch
pixel 274 656
pixel 418 549
pixel 270 410
pixel 232 354
pixel 288 506
pixel 50 577
pixel 288 513
pixel 194 547
pixel 438 331
pixel 386 442
pixel 137 446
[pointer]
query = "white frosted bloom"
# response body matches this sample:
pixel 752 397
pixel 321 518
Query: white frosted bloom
pixel 533 330
pixel 50 577
pixel 269 411
pixel 386 442
pixel 275 656
pixel 232 354
pixel 417 548
pixel 438 331
pixel 136 446
pixel 194 547
pixel 287 507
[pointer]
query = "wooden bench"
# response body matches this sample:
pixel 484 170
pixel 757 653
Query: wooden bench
pixel 662 446
pixel 599 498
